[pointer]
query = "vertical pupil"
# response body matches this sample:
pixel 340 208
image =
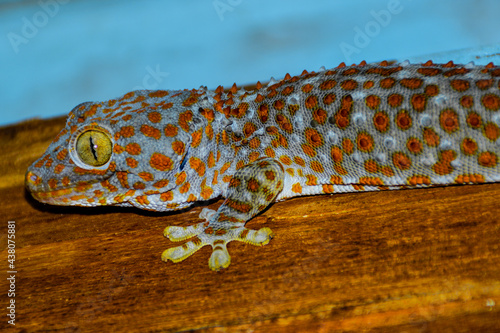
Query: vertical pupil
pixel 93 147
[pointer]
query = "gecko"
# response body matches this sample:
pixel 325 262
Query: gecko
pixel 363 127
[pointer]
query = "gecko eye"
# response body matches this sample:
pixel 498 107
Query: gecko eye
pixel 94 148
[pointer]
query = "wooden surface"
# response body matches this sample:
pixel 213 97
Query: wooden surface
pixel 412 261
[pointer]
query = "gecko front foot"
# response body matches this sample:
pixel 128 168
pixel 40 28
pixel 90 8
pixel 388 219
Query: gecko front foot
pixel 251 189
pixel 202 235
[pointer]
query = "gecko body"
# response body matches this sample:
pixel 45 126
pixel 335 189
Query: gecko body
pixel 351 128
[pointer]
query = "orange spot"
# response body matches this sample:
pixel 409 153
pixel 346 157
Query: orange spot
pixel 381 121
pixel 443 165
pixel 413 83
pixel 431 90
pixel 329 99
pixel 320 115
pixel 474 120
pixel 311 102
pixel 253 185
pixel 371 166
pixel 170 130
pixel 161 183
pixel 284 123
pixel 347 146
pixel 62 154
pixel 364 142
pixel 401 161
pixel 430 137
pixel 491 102
pixel 270 175
pixel 313 137
pixel 414 145
pixel 249 128
pixel 131 162
pixel 337 180
pixel 296 188
pixel 184 188
pixel 254 143
pixel 368 84
pixel 178 147
pixel 449 120
pixel 469 178
pixel 111 188
pixel 133 148
pixel 279 104
pixel 459 85
pixel 154 117
pixel 387 83
pixel 146 176
pixel 395 100
pixel 52 183
pixel 238 206
pixel 181 178
pixel 307 88
pixel 287 90
pixel 197 165
pixel 158 93
pixel 206 192
pixel 263 112
pixel 336 153
pixel 371 181
pixel 327 189
pixel 197 137
pixel 327 85
pixel 139 186
pixel 469 146
pixel 403 120
pixel 342 115
pixel 311 180
pixel 387 171
pixel 349 85
pixel 161 162
pixel 127 131
pixel 484 84
pixel 308 150
pixel 151 131
pixel 269 152
pixel 184 118
pixel 285 160
pixel 193 98
pixel 466 101
pixel 419 180
pixel 59 168
pixel 167 196
pixel 298 160
pixel 317 166
pixel 418 101
pixel 225 167
pixel 372 101
pixel 340 170
pixel 429 71
pixel 487 159
pixel 491 131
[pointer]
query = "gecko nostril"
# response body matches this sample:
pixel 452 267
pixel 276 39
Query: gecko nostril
pixel 32 178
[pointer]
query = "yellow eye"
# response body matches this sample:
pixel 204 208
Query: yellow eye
pixel 94 148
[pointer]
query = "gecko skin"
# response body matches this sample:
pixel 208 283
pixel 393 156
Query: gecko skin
pixel 351 128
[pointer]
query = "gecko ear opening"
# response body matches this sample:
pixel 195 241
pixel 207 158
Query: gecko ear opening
pixel 94 148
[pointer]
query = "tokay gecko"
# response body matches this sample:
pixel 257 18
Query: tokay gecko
pixel 353 128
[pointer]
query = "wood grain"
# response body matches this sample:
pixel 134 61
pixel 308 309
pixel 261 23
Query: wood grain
pixel 412 261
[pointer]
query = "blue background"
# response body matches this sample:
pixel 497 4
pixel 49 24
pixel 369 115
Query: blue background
pixel 57 54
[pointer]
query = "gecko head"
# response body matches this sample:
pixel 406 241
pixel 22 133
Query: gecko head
pixel 131 151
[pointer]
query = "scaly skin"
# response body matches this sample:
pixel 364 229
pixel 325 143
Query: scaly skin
pixel 351 128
